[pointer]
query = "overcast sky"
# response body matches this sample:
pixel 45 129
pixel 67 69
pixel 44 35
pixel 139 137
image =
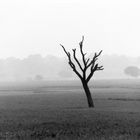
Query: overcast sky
pixel 39 26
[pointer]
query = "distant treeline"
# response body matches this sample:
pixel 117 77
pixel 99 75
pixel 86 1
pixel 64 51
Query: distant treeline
pixel 36 67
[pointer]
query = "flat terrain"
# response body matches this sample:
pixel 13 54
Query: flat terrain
pixel 58 110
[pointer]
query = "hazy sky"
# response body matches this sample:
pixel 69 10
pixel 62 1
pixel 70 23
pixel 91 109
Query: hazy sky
pixel 38 26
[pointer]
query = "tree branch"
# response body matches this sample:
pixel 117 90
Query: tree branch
pixel 81 50
pixel 93 69
pixel 74 55
pixel 94 59
pixel 71 63
pixel 86 61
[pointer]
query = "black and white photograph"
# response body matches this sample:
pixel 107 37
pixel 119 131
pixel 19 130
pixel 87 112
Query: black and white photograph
pixel 69 70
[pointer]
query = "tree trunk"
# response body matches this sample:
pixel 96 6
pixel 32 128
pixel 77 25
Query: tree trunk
pixel 88 94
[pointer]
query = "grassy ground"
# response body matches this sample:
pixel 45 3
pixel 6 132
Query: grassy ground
pixel 43 111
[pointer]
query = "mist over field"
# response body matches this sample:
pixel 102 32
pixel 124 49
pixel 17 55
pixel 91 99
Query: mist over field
pixel 36 67
pixel 51 52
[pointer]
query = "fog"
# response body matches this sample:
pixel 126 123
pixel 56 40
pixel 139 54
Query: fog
pixel 36 67
pixel 31 31
pixel 32 26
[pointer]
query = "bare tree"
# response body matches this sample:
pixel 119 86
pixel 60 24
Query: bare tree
pixel 88 64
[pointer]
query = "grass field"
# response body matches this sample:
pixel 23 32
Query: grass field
pixel 58 110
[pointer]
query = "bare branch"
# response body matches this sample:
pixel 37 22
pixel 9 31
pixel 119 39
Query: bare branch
pixel 94 59
pixel 74 55
pixel 86 61
pixel 100 68
pixel 71 63
pixel 81 43
pixel 92 70
pixel 89 77
pixel 81 50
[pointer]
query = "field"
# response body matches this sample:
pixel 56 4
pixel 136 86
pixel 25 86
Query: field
pixel 58 110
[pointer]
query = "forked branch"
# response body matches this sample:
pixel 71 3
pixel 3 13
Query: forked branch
pixel 87 62
pixel 71 63
pixel 74 55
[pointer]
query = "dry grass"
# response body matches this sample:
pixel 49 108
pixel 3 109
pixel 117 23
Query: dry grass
pixel 62 113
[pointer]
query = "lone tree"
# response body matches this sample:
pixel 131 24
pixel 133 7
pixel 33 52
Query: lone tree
pixel 86 65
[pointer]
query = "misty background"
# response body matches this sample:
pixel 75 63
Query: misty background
pixel 37 68
pixel 31 31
